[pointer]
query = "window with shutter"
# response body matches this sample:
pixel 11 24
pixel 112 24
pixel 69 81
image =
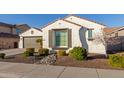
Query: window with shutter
pixel 61 38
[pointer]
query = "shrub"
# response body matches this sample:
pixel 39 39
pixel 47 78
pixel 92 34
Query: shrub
pixel 61 53
pixel 26 54
pixel 30 51
pixel 2 55
pixel 116 60
pixel 43 51
pixel 78 53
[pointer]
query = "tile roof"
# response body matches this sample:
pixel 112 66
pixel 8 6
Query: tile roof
pixel 5 24
pixel 83 19
pixel 110 30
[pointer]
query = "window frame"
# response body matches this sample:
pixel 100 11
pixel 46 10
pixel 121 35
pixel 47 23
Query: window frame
pixel 90 34
pixel 60 30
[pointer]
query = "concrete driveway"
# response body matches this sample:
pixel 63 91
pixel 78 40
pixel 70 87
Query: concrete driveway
pixel 20 70
pixel 10 52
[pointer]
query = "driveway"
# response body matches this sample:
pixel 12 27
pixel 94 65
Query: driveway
pixel 10 52
pixel 20 70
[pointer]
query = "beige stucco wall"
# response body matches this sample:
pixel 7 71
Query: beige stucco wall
pixel 6 43
pixel 92 47
pixel 98 28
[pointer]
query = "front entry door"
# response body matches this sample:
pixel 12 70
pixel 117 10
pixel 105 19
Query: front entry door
pixel 15 44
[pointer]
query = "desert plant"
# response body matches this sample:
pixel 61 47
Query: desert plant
pixel 78 53
pixel 43 51
pixel 40 41
pixel 30 51
pixel 2 55
pixel 116 60
pixel 61 53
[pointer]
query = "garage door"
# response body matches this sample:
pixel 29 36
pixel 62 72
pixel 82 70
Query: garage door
pixel 30 42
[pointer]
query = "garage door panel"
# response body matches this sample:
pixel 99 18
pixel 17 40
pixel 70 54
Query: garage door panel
pixel 30 42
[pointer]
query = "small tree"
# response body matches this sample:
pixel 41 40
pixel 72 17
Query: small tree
pixel 106 39
pixel 40 41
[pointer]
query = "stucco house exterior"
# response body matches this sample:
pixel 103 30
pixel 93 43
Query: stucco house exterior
pixel 9 35
pixel 29 37
pixel 64 34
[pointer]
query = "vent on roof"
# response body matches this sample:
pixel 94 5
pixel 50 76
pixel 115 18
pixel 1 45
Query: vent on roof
pixel 32 32
pixel 59 23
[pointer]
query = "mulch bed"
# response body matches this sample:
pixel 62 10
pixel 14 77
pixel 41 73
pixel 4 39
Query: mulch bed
pixel 93 61
pixel 19 59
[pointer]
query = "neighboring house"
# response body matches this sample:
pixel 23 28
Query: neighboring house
pixel 64 34
pixel 9 35
pixel 117 33
pixel 29 37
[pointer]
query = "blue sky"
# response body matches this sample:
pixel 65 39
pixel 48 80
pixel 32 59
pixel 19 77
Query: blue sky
pixel 38 20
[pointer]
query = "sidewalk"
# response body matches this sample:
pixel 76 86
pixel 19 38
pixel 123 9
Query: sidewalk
pixel 20 70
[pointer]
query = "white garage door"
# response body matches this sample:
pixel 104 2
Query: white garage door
pixel 30 42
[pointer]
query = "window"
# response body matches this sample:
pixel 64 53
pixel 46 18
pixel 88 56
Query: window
pixel 90 36
pixel 18 31
pixel 89 33
pixel 61 38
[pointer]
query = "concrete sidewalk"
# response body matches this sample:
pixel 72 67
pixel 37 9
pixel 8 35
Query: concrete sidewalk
pixel 21 70
pixel 10 52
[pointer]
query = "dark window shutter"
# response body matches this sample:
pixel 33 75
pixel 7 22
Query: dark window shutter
pixel 69 38
pixel 51 38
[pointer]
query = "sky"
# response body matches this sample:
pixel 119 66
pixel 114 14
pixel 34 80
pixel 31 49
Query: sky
pixel 39 20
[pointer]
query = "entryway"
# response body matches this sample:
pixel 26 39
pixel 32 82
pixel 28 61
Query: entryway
pixel 15 44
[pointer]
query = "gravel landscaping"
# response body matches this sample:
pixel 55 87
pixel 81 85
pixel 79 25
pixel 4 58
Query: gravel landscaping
pixel 93 61
pixel 31 60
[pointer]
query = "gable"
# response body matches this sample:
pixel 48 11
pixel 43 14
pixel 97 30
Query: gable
pixel 32 32
pixel 84 22
pixel 60 24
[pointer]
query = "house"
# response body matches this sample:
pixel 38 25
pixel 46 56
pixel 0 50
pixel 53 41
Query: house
pixel 29 37
pixel 116 33
pixel 9 35
pixel 66 33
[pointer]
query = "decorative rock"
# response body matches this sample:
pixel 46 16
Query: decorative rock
pixel 50 59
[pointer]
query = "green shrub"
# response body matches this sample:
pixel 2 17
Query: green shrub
pixel 26 54
pixel 116 60
pixel 78 53
pixel 43 51
pixel 2 55
pixel 30 51
pixel 61 53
